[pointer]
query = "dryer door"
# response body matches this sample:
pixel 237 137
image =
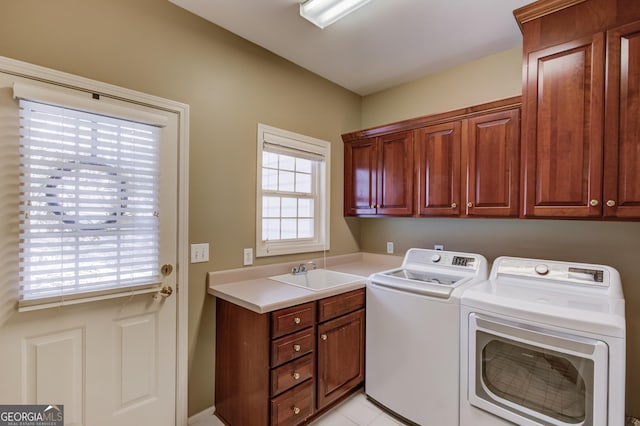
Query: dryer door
pixel 533 376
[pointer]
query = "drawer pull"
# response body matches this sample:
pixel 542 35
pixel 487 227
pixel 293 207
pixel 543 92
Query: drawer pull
pixel 323 337
pixel 297 320
pixel 296 348
pixel 296 375
pixel 296 410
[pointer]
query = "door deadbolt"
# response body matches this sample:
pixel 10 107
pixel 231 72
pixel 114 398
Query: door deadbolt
pixel 166 269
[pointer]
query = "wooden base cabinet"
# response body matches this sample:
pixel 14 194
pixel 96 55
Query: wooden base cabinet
pixel 275 369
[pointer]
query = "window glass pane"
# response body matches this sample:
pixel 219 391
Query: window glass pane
pixel 271 206
pixel 303 183
pixel 289 230
pixel 289 207
pixel 305 207
pixel 303 165
pixel 269 179
pixel 270 229
pixel 305 228
pixel 286 181
pixel 269 159
pixel 287 162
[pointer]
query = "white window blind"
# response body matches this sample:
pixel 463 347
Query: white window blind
pixel 89 204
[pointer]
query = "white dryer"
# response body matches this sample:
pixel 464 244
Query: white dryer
pixel 543 343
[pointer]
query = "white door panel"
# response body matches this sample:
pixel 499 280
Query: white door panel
pixel 109 362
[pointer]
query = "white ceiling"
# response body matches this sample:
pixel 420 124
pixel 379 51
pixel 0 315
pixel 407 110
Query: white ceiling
pixel 381 45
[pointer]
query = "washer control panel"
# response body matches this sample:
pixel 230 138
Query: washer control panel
pixel 426 257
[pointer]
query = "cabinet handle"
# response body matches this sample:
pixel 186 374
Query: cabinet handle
pixel 593 203
pixel 378 206
pixel 296 348
pixel 611 203
pixel 296 410
pixel 296 320
pixel 454 205
pixel 373 206
pixel 469 204
pixel 323 337
pixel 296 375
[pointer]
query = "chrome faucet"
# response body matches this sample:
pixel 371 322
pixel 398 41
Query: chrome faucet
pixel 303 268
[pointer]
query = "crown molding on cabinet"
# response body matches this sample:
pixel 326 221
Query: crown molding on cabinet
pixel 541 8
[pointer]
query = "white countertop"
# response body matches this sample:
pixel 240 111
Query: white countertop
pixel 251 289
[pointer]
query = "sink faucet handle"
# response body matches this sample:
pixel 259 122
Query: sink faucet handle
pixel 312 264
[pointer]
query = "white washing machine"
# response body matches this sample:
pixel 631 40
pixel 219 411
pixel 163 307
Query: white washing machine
pixel 412 335
pixel 543 343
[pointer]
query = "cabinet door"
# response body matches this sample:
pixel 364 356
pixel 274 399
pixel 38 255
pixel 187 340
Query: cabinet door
pixel 562 129
pixel 438 169
pixel 360 172
pixel 395 174
pixel 622 123
pixel 491 153
pixel 340 357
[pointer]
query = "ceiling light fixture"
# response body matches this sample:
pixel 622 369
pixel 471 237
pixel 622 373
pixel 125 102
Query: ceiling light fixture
pixel 323 13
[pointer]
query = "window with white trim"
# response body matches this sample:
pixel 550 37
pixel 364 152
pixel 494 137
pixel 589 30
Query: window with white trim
pixel 293 193
pixel 89 203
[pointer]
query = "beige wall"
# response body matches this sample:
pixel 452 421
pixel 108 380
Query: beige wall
pixel 612 243
pixel 486 79
pixel 231 85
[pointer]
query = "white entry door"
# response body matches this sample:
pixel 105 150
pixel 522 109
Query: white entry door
pixel 110 361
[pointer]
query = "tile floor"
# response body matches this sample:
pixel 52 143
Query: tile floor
pixel 355 411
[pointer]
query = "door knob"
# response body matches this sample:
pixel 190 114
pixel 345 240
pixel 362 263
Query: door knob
pixel 164 292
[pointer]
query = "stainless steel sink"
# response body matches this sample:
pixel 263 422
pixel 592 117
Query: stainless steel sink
pixel 318 279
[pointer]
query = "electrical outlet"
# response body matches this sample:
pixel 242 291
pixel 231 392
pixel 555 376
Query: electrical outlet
pixel 199 253
pixel 389 247
pixel 247 257
pixel 439 247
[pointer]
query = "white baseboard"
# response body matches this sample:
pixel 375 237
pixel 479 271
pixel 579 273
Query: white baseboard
pixel 203 415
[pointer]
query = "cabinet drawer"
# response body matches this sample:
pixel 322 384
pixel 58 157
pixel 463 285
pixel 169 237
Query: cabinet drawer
pixel 292 319
pixel 291 347
pixel 292 373
pixel 294 406
pixel 334 306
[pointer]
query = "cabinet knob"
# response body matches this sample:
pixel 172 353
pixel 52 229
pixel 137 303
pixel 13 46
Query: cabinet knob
pixel 593 203
pixel 378 206
pixel 296 410
pixel 296 320
pixel 469 204
pixel 373 206
pixel 611 203
pixel 454 205
pixel 296 348
pixel 323 337
pixel 296 375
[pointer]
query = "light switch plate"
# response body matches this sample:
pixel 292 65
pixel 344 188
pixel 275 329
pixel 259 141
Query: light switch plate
pixel 199 253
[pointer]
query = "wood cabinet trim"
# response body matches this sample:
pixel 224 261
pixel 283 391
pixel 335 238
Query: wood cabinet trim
pixel 541 8
pixel 427 120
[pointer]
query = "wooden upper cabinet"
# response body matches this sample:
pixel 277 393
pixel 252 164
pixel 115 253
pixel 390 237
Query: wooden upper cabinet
pixel 360 171
pixel 395 175
pixel 622 123
pixel 437 165
pixel 491 161
pixel 562 129
pixel 379 176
